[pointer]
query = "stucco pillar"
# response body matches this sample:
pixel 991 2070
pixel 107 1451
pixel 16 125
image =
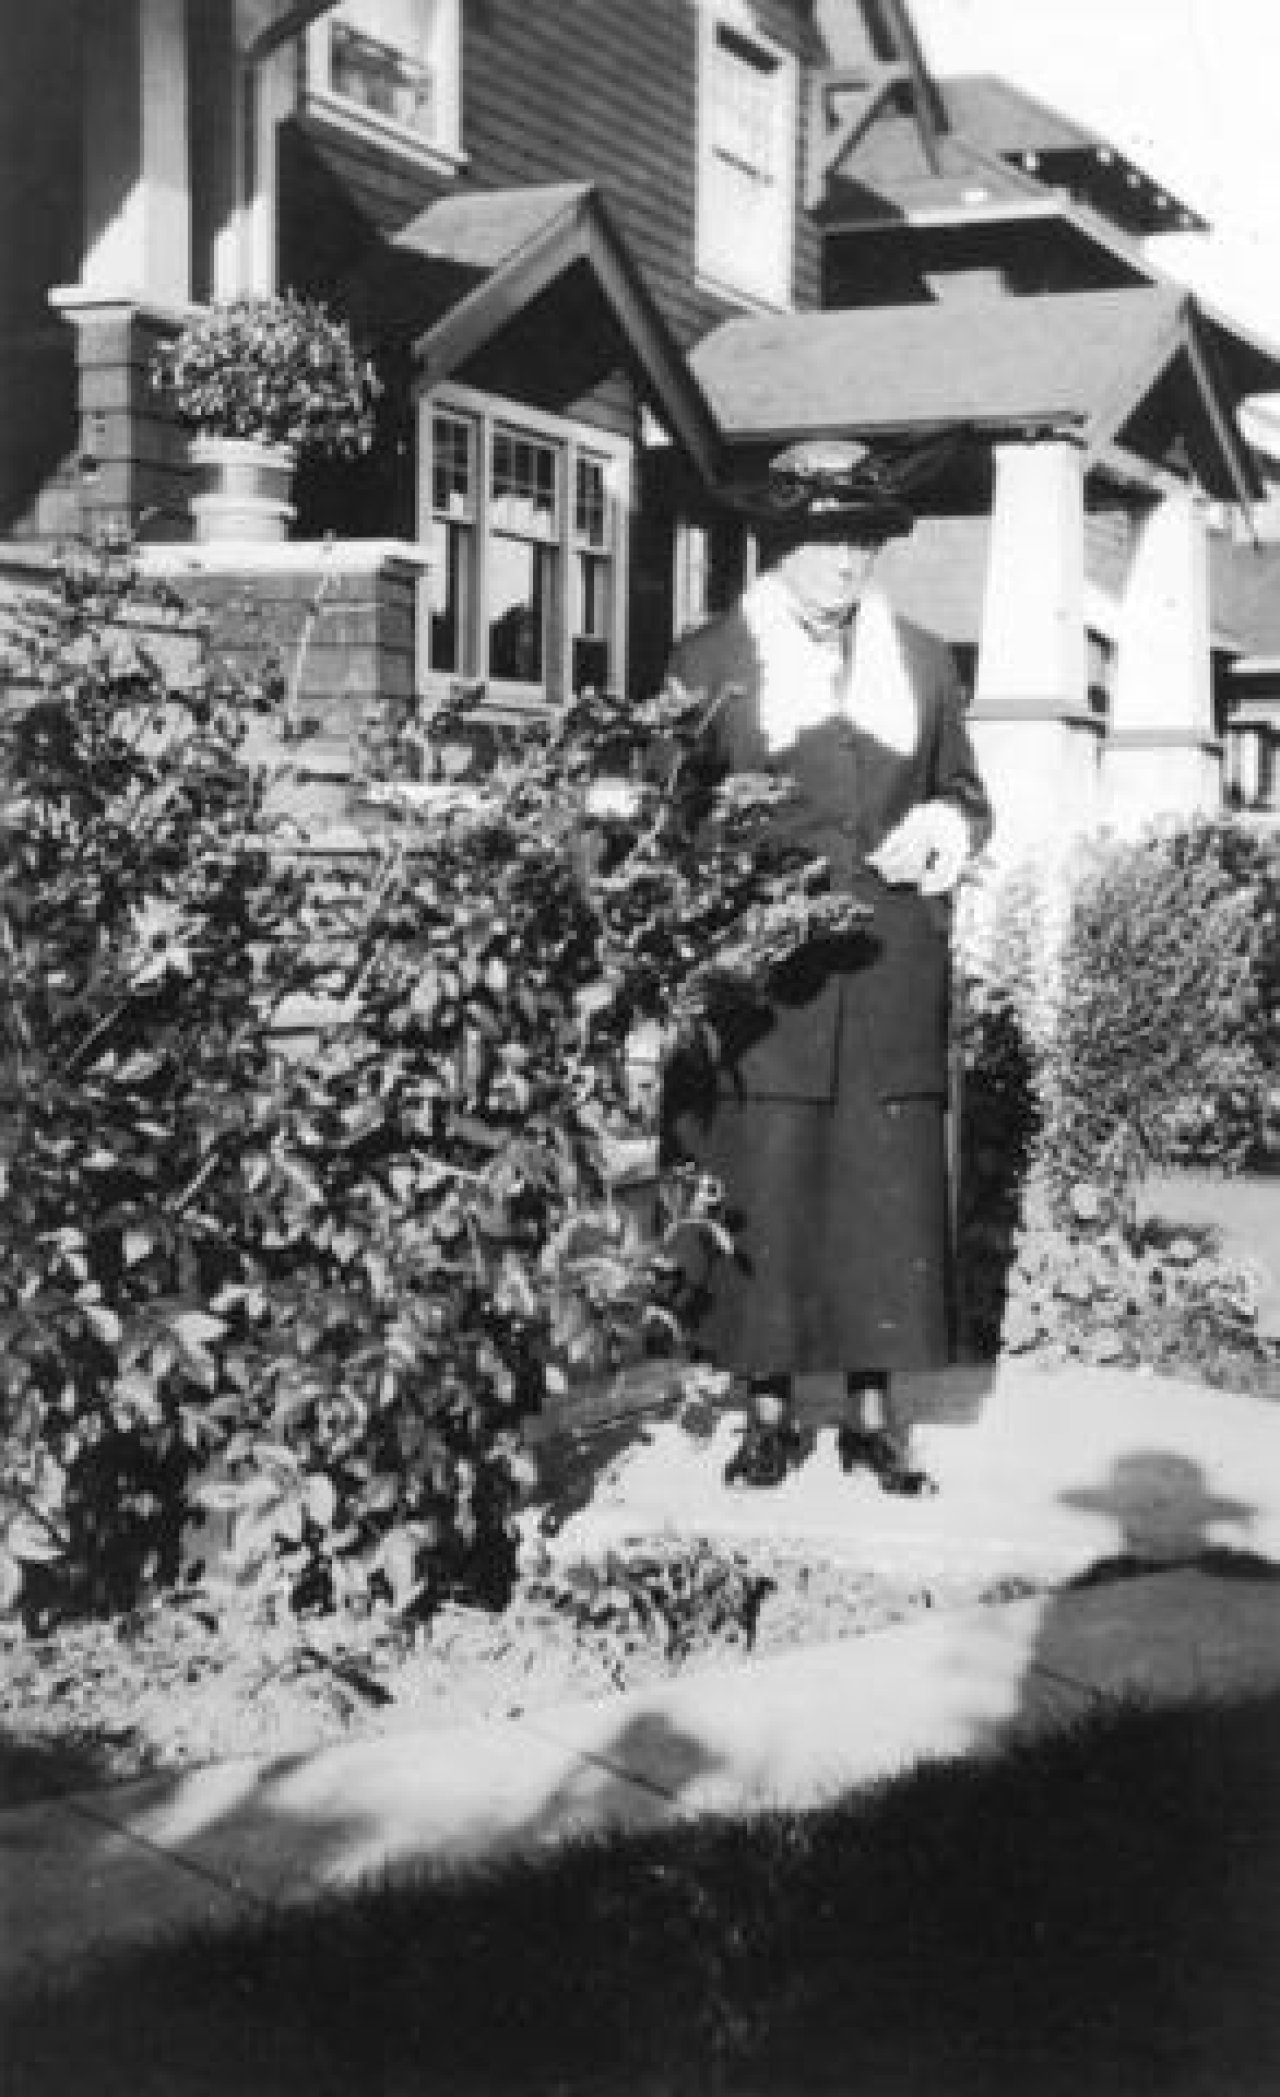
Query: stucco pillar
pixel 1036 739
pixel 137 178
pixel 1162 757
pixel 134 284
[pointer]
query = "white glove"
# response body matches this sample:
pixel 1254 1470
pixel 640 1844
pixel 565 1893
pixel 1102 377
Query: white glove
pixel 927 850
pixel 613 796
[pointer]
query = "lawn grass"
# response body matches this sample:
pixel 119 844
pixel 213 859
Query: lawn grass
pixel 1095 1913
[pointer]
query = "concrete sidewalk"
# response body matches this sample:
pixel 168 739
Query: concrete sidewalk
pixel 1050 1476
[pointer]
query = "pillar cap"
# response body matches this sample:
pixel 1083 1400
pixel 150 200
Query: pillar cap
pixel 284 557
pixel 82 304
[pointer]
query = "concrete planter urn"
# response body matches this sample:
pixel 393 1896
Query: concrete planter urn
pixel 260 383
pixel 244 486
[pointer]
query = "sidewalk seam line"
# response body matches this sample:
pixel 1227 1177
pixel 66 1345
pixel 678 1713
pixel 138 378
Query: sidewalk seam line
pixel 173 1857
pixel 588 1756
pixel 1065 1681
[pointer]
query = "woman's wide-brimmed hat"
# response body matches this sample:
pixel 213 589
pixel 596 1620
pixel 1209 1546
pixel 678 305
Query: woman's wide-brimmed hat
pixel 835 484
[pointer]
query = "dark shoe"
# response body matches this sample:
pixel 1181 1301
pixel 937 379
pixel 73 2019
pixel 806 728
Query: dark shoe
pixel 765 1455
pixel 874 1449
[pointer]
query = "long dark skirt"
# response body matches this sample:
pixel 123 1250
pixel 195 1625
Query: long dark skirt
pixel 841 1219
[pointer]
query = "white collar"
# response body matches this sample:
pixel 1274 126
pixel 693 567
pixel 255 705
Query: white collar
pixel 803 680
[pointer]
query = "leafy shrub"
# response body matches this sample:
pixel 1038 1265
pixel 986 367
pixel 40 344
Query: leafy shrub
pixel 283 370
pixel 1155 1008
pixel 998 978
pixel 318 1294
pixel 1226 1126
pixel 1153 1297
pixel 135 916
pixel 685 1595
pixel 1093 1026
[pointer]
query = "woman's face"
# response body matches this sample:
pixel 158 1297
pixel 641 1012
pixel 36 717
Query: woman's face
pixel 827 575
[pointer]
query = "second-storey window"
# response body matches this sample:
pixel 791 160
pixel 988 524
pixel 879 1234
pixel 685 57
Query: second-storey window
pixel 525 518
pixel 746 158
pixel 388 68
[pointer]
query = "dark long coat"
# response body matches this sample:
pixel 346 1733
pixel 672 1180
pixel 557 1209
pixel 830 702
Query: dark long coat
pixel 827 1126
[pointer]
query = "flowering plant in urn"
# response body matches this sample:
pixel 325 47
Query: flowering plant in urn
pixel 282 371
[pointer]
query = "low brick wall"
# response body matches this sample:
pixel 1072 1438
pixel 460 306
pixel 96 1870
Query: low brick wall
pixel 338 617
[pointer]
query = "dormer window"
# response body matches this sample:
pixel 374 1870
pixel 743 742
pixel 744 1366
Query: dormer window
pixel 746 158
pixel 389 69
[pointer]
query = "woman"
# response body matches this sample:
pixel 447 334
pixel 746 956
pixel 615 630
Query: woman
pixel 827 1127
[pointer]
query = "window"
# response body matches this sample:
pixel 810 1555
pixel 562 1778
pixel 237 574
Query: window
pixel 453 537
pixel 1100 672
pixel 520 559
pixel 390 69
pixel 592 621
pixel 746 158
pixel 712 564
pixel 525 515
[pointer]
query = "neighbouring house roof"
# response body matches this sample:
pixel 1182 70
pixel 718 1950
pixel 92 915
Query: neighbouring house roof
pixel 1008 120
pixel 470 268
pixel 1022 147
pixel 887 177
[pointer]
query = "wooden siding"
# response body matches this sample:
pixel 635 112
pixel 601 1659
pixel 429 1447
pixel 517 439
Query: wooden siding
pixel 596 92
pixel 585 90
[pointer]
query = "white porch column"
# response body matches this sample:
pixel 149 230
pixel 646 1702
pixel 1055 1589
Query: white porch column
pixel 1162 757
pixel 1036 739
pixel 137 176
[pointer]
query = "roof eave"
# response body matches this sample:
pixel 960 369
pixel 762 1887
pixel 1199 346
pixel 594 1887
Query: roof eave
pixel 1041 423
pixel 994 213
pixel 581 233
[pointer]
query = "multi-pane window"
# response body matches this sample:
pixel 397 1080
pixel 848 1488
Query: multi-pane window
pixel 389 65
pixel 593 575
pixel 525 528
pixel 747 102
pixel 520 561
pixel 452 531
pixel 712 564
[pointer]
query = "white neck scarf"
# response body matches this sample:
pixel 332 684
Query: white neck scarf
pixel 802 676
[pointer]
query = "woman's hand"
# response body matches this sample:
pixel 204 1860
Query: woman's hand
pixel 927 850
pixel 612 796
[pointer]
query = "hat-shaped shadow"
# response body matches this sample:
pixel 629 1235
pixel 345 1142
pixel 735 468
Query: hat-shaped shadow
pixel 1164 1509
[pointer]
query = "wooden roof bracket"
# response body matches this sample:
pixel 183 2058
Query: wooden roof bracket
pixel 830 141
pixel 1244 478
pixel 929 108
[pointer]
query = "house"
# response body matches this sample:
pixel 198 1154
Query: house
pixel 610 257
pixel 1038 239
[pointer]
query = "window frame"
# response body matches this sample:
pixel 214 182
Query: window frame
pixel 441 150
pixel 716 268
pixel 486 414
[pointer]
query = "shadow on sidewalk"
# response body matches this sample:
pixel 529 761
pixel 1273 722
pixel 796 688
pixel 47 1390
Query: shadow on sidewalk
pixel 1091 1912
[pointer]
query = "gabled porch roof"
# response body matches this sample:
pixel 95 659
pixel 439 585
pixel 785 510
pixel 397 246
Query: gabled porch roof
pixel 538 268
pixel 1099 364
